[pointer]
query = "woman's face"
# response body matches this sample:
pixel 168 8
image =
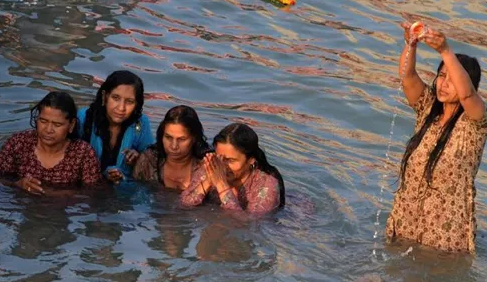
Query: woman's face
pixel 53 126
pixel 238 165
pixel 120 104
pixel 177 141
pixel 445 91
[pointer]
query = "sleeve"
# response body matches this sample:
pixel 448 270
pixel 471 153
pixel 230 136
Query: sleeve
pixel 145 138
pixel 145 169
pixel 91 171
pixel 8 156
pixel 423 105
pixel 230 202
pixel 192 196
pixel 266 197
pixel 425 100
pixel 477 126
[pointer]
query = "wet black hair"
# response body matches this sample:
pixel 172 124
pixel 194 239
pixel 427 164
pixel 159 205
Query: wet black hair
pixel 61 101
pixel 244 139
pixel 187 117
pixel 97 113
pixel 471 65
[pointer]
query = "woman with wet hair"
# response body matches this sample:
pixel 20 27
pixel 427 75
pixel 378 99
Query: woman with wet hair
pixel 115 125
pixel 175 160
pixel 434 204
pixel 52 153
pixel 238 175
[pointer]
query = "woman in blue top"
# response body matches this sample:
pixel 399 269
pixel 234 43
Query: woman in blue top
pixel 115 126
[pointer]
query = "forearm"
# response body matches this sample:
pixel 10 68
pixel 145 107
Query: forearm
pixel 194 196
pixel 471 102
pixel 228 199
pixel 407 63
pixel 412 84
pixel 11 182
pixel 459 76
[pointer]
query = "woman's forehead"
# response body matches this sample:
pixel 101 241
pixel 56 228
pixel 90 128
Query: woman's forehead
pixel 176 130
pixel 52 113
pixel 228 150
pixel 126 91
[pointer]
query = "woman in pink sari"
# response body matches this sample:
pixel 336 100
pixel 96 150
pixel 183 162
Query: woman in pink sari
pixel 238 175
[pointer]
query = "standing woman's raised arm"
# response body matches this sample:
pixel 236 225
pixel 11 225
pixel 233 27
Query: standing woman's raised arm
pixel 470 100
pixel 412 84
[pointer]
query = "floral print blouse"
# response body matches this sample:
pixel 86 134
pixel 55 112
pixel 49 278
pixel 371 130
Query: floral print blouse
pixel 440 214
pixel 79 165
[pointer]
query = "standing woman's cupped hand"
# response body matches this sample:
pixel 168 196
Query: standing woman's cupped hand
pixel 435 39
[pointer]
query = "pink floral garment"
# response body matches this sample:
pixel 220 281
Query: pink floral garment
pixel 79 165
pixel 258 195
pixel 441 215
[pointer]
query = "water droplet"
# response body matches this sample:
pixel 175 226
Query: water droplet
pixel 389 144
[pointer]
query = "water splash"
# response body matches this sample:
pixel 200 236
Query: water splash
pixel 407 252
pixel 385 176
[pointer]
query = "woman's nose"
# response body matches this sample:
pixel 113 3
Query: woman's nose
pixel 122 106
pixel 174 145
pixel 445 83
pixel 50 128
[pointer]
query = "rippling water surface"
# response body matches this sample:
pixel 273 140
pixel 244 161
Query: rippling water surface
pixel 317 81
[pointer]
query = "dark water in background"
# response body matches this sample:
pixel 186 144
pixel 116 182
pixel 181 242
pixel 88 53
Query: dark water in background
pixel 317 81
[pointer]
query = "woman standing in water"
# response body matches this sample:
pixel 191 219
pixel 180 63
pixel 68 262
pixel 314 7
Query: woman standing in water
pixel 175 160
pixel 434 204
pixel 238 174
pixel 115 125
pixel 51 154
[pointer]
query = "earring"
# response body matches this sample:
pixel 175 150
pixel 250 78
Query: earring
pixel 252 166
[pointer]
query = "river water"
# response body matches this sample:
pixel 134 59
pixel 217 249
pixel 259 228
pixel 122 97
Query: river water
pixel 318 81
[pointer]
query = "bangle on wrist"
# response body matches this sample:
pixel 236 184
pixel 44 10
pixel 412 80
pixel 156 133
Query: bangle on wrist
pixel 203 187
